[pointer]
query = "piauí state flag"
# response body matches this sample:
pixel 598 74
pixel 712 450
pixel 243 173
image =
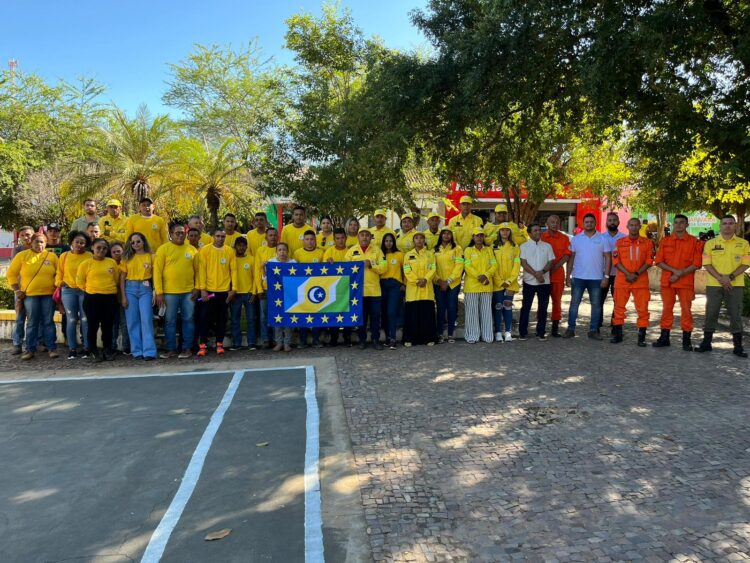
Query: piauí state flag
pixel 312 295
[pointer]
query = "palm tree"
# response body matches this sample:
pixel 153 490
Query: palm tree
pixel 132 158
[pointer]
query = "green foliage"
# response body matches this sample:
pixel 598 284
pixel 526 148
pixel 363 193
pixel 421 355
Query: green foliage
pixel 7 295
pixel 746 298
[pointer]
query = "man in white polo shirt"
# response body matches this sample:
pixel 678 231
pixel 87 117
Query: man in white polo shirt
pixel 588 269
pixel 537 259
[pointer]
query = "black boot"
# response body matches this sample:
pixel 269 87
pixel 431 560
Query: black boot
pixel 616 334
pixel 738 351
pixel 705 345
pixel 641 337
pixel 99 357
pixel 556 329
pixel 687 343
pixel 663 339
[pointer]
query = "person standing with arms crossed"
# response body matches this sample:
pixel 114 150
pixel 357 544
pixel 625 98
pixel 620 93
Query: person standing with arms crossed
pixel 560 244
pixel 537 259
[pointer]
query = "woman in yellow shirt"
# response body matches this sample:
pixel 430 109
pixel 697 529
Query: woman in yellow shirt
pixel 505 282
pixel 352 232
pixel 136 277
pixel 98 280
pixel 72 295
pixel 449 267
pixel 391 288
pixel 419 315
pixel 120 325
pixel 31 274
pixel 479 269
pixel 325 236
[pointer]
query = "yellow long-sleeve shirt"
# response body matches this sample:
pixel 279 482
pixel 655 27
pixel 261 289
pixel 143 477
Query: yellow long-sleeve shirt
pixel 431 239
pixel 293 236
pixel 419 264
pixel 175 268
pixel 205 240
pixel 508 259
pixel 449 264
pixel 113 229
pixel 154 228
pixel 245 274
pixel 34 272
pixel 463 226
pixel 98 276
pixel 478 263
pixel 139 268
pixel 255 240
pixel 374 255
pixel 377 235
pixel 394 267
pixel 491 231
pixel 264 254
pixel 67 268
pixel 309 256
pixel 405 241
pixel 335 254
pixel 229 241
pixel 218 268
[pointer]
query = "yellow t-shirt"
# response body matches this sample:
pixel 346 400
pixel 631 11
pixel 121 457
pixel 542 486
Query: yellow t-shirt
pixel 154 228
pixel 113 229
pixel 138 268
pixel 205 240
pixel 229 241
pixel 98 276
pixel 255 240
pixel 67 268
pixel 293 236
pixel 218 268
pixel 351 240
pixel 245 274
pixel 334 254
pixel 725 256
pixel 325 241
pixel 309 256
pixel 175 268
pixel 394 265
pixel 34 272
pixel 265 253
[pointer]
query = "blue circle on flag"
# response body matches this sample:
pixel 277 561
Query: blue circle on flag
pixel 316 294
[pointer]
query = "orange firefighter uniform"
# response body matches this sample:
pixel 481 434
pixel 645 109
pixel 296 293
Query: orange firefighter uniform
pixel 635 255
pixel 679 253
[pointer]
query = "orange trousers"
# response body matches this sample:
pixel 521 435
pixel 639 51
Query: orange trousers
pixel 669 295
pixel 641 296
pixel 555 294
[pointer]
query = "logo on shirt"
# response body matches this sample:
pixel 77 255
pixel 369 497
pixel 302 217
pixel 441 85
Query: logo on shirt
pixel 223 261
pixel 188 256
pixel 246 266
pixel 154 227
pixel 411 258
pixel 47 263
pixel 147 265
pixel 394 261
pixel 110 270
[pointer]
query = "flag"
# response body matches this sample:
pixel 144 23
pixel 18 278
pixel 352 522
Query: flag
pixel 315 295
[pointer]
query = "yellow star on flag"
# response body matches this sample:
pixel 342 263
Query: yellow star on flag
pixel 324 318
pixel 324 270
pixel 308 271
pixel 355 285
pixel 354 318
pixel 279 302
pixel 277 270
pixel 355 301
pixel 277 285
pixel 277 318
pixel 339 269
pixel 309 319
pixel 294 319
pixel 293 271
pixel 355 269
pixel 339 318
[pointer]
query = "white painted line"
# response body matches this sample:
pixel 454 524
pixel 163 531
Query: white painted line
pixel 137 375
pixel 313 518
pixel 160 537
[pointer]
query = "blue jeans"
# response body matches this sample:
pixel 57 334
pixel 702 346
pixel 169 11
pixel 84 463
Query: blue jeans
pixel 391 297
pixel 39 314
pixel 303 332
pixel 19 329
pixel 541 292
pixel 72 299
pixel 140 319
pixel 503 317
pixel 371 312
pixel 119 327
pixel 242 301
pixel 594 289
pixel 183 303
pixel 447 304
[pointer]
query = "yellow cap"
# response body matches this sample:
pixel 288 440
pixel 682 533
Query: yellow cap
pixel 114 203
pixel 477 231
pixel 408 215
pixel 364 230
pixel 380 212
pixel 465 199
pixel 505 226
pixel 434 214
pixel 501 207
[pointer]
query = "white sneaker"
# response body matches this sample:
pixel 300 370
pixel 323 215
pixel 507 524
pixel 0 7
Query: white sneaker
pixel 508 337
pixel 498 337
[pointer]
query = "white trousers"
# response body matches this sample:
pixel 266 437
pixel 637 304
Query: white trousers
pixel 478 313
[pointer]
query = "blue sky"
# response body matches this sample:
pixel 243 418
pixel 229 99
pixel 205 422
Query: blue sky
pixel 126 45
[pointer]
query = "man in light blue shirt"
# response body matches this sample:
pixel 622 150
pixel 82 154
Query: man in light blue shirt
pixel 613 235
pixel 588 269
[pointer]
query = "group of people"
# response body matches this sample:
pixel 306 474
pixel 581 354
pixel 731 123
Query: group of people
pixel 116 271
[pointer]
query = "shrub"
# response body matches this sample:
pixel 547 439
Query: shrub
pixel 746 298
pixel 7 297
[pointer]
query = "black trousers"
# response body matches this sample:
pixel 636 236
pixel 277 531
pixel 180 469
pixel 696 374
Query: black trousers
pixel 542 295
pixel 609 290
pixel 100 310
pixel 214 316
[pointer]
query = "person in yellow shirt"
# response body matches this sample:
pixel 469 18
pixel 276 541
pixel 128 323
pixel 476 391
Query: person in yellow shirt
pixel 257 236
pixel 113 224
pixel 391 288
pixel 405 238
pixel 505 282
pixel 419 317
pixel 153 227
pixel 98 279
pixel 294 234
pixel 217 277
pixel 726 258
pixel 449 268
pixel 137 290
pixel 196 222
pixel 465 222
pixel 325 236
pixel 230 229
pixel 337 253
pixel 432 234
pixel 352 229
pixel 491 230
pixel 31 275
pixel 379 230
pixel 479 269
pixel 72 295
pixel 262 257
pixel 244 297
pixel 374 262
pixel 310 253
pixel 175 274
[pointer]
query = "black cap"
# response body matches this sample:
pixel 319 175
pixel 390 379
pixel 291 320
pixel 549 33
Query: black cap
pixel 53 227
pixel 144 199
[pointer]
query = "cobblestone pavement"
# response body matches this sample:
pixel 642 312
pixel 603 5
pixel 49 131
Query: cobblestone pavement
pixel 550 451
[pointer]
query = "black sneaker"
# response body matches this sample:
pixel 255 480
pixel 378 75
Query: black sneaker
pixel 378 346
pixel 523 337
pixel 72 355
pixel 85 354
pixel 17 351
pixel 541 337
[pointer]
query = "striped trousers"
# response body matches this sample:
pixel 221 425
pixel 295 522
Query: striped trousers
pixel 478 307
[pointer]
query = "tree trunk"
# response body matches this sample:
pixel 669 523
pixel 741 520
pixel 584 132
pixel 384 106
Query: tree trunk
pixel 661 221
pixel 740 210
pixel 213 201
